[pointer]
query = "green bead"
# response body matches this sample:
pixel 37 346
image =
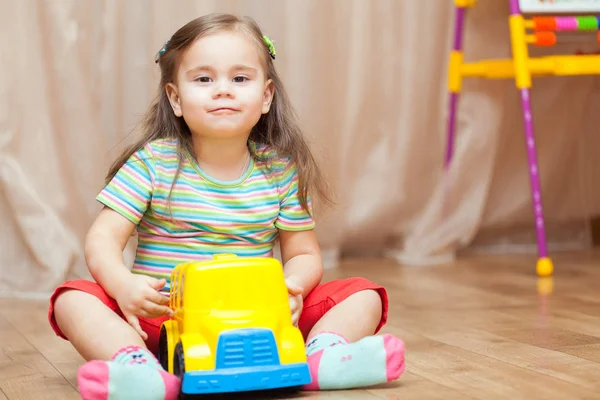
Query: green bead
pixel 587 23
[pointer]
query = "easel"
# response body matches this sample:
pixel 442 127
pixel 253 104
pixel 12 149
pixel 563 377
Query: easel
pixel 522 68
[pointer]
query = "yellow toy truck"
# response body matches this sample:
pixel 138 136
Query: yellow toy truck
pixel 232 328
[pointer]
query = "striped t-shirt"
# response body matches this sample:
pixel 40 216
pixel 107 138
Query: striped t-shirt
pixel 241 217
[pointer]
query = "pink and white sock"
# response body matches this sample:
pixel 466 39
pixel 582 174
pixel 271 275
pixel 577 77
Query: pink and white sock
pixel 133 373
pixel 336 364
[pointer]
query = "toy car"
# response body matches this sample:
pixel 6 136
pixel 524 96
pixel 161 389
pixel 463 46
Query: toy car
pixel 232 328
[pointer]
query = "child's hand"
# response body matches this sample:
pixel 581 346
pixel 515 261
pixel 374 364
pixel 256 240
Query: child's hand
pixel 296 300
pixel 140 298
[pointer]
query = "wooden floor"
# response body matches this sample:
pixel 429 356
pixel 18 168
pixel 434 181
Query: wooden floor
pixel 478 329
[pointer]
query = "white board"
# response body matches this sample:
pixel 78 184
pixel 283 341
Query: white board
pixel 560 6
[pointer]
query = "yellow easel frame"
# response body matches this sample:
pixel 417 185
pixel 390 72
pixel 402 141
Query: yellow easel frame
pixel 522 68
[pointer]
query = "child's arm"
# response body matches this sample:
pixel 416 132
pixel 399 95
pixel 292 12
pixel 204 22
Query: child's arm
pixel 104 245
pixel 137 295
pixel 301 258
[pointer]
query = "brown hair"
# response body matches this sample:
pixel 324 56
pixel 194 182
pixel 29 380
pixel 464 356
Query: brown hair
pixel 277 129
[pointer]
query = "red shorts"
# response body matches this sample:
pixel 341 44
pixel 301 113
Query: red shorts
pixel 316 304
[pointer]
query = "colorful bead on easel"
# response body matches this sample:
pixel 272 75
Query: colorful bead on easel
pixel 544 23
pixel 587 23
pixel 564 24
pixel 545 38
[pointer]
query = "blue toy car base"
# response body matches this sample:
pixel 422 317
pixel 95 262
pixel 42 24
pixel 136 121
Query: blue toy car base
pixel 246 360
pixel 245 379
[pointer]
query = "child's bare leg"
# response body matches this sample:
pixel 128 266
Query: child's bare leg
pixel 343 354
pixel 95 331
pixel 354 318
pixel 99 334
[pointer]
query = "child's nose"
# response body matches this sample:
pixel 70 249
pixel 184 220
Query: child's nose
pixel 223 88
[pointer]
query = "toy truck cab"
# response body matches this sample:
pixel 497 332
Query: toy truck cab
pixel 232 330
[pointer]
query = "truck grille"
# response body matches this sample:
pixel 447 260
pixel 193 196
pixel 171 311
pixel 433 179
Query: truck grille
pixel 246 348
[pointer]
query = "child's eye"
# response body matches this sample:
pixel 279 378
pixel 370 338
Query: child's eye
pixel 203 79
pixel 240 79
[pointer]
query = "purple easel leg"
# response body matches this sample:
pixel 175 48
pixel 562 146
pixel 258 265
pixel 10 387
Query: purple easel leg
pixel 451 128
pixel 534 174
pixel 544 266
pixel 514 7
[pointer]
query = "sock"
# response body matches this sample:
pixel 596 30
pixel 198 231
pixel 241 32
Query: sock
pixel 336 364
pixel 133 373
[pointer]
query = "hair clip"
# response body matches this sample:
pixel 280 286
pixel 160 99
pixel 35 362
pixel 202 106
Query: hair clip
pixel 161 51
pixel 270 46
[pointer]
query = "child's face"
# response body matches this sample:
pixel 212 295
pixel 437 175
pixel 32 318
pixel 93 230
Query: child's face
pixel 221 88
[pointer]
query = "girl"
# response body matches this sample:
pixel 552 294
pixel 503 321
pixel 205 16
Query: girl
pixel 222 167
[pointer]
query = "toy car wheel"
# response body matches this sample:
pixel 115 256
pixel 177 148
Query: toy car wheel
pixel 178 361
pixel 163 349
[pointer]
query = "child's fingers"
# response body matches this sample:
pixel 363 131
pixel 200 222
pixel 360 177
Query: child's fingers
pixel 296 307
pixel 296 318
pixel 293 303
pixel 135 324
pixel 293 287
pixel 158 298
pixel 154 310
pixel 156 284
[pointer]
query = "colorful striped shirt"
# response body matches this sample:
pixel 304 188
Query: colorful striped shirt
pixel 242 217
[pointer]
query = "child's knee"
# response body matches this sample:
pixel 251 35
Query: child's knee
pixel 372 311
pixel 368 301
pixel 67 302
pixel 372 301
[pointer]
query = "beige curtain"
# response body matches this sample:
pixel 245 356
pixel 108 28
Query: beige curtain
pixel 368 81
